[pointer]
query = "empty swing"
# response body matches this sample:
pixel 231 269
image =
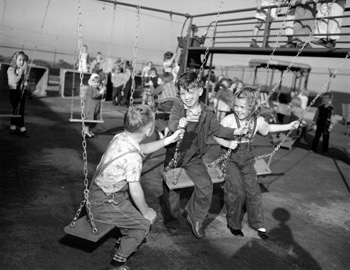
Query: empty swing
pixel 86 227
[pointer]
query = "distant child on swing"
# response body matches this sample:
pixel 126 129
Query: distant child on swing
pixel 241 189
pixel 18 78
pixel 93 96
pixel 199 122
pixel 323 122
pixel 117 178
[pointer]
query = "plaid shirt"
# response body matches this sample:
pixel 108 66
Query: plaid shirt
pixel 165 92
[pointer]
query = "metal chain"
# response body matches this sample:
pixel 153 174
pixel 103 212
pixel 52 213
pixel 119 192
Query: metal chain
pixel 82 105
pixel 3 17
pixel 211 39
pixel 131 103
pixel 306 109
pixel 39 36
pixel 111 34
pixel 33 55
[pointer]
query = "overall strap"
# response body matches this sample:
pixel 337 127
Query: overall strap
pixel 105 165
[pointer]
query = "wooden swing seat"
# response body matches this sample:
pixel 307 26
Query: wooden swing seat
pixel 86 121
pixel 82 229
pixel 214 172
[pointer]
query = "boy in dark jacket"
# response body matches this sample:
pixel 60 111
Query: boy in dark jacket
pixel 199 123
pixel 323 121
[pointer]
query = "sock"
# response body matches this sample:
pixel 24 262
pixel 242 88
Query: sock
pixel 12 127
pixel 262 229
pixel 22 129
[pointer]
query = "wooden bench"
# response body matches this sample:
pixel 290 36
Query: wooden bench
pixel 83 229
pixel 184 181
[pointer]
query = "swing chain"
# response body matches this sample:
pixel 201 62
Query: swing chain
pixel 2 18
pixel 211 39
pixel 82 103
pixel 135 55
pixel 275 45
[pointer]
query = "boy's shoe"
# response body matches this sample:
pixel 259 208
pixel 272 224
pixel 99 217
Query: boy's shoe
pixel 289 45
pixel 330 44
pixel 197 227
pixel 301 44
pixel 321 42
pixel 24 134
pixel 173 230
pixel 263 235
pixel 122 267
pixel 253 44
pixel 13 131
pixel 237 233
pixel 89 135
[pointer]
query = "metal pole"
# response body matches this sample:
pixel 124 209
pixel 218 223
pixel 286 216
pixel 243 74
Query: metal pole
pixel 146 8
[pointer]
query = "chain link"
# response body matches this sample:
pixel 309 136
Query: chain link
pixel 3 17
pixel 135 55
pixel 82 105
pixel 39 36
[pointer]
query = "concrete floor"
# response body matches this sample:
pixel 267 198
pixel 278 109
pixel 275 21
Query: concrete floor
pixel 306 203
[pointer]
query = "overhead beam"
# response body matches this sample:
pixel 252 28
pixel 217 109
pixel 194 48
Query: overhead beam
pixel 170 12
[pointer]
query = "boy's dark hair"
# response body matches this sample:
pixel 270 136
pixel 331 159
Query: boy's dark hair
pixel 167 77
pixel 329 94
pixel 168 55
pixel 188 80
pixel 137 118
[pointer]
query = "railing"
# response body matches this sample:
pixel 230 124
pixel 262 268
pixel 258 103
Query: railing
pixel 236 32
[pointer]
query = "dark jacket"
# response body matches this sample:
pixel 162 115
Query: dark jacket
pixel 208 125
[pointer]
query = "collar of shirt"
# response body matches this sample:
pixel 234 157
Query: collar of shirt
pixel 134 143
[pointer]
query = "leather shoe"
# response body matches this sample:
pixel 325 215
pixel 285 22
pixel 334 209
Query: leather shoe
pixel 197 228
pixel 173 230
pixel 321 42
pixel 289 45
pixel 238 233
pixel 263 235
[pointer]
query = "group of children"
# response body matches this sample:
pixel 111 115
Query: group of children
pixel 116 194
pixel 118 173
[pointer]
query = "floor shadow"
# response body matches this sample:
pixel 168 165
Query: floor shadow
pixel 280 251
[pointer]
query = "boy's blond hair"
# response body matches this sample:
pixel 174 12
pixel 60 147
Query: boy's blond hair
pixel 137 118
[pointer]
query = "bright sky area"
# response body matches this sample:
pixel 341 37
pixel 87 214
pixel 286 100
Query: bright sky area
pixel 21 22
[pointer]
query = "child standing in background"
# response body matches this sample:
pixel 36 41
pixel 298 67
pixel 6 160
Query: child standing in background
pixel 118 177
pixel 241 188
pixel 323 121
pixel 93 96
pixel 84 61
pixel 170 65
pixel 18 78
pixel 167 94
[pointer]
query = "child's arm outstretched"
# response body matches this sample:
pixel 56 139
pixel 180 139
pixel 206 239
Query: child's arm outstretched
pixel 138 197
pixel 226 143
pixel 279 128
pixel 151 147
